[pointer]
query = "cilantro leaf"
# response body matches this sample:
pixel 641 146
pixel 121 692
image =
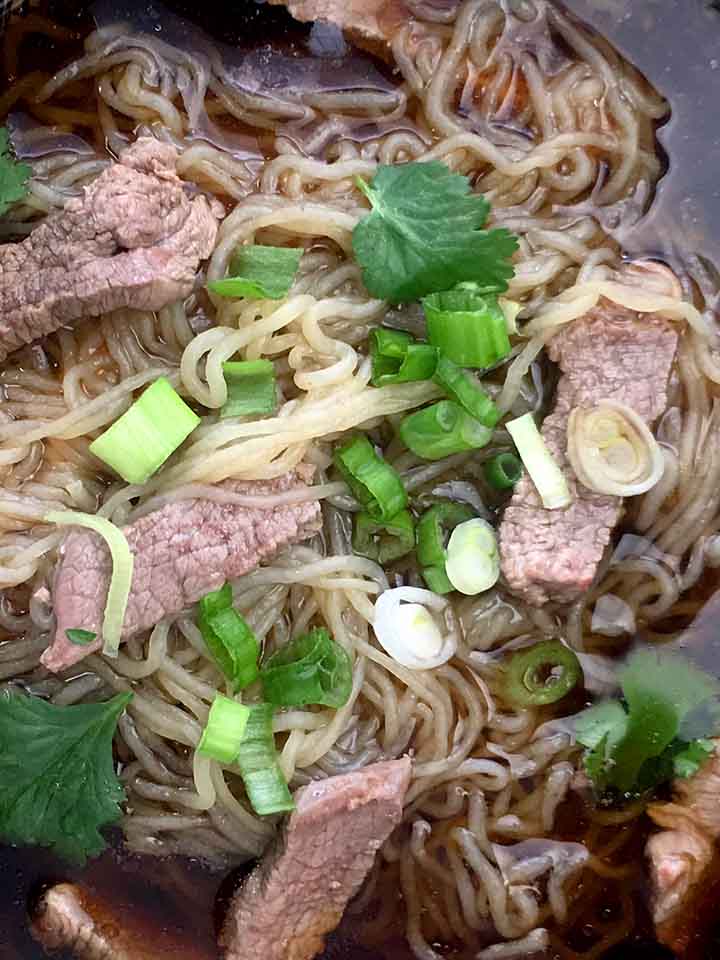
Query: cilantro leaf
pixel 259 272
pixel 58 786
pixel 656 733
pixel 13 174
pixel 424 234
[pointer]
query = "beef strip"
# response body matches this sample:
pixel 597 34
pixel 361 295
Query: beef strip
pixel 181 551
pixel 370 23
pixel 299 892
pixel 70 918
pixel 683 858
pixel 610 354
pixel 133 239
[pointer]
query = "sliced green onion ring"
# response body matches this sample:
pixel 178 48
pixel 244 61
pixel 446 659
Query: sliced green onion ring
pixel 82 638
pixel 383 541
pixel 149 431
pixel 467 326
pixel 473 559
pixel 398 358
pixel 120 578
pixel 436 580
pixel 265 785
pixel 228 637
pixel 442 429
pixel 503 471
pixel 406 628
pixel 542 674
pixel 251 388
pixel 549 480
pixel 434 529
pixel 224 730
pixel 460 387
pixel 373 482
pixel 311 669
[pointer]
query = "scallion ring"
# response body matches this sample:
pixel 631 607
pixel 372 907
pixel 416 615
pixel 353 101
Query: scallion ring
pixel 503 471
pixel 473 559
pixel 542 674
pixel 373 482
pixel 406 625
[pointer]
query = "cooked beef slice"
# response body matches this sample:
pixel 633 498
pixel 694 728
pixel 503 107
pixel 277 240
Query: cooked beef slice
pixel 134 239
pixel 683 856
pixel 182 551
pixel 610 354
pixel 298 893
pixel 370 23
pixel 70 918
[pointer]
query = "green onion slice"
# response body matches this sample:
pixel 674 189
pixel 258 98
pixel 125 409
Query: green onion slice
pixel 259 272
pixel 460 387
pixel 467 326
pixel 224 730
pixel 442 429
pixel 142 439
pixel 83 638
pixel 229 639
pixel 265 785
pixel 311 669
pixel 434 529
pixel 542 674
pixel 383 541
pixel 250 388
pixel 503 471
pixel 473 559
pixel 373 482
pixel 437 580
pixel 120 578
pixel 549 480
pixel 397 358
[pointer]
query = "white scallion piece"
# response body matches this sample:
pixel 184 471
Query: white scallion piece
pixel 406 628
pixel 473 560
pixel 549 480
pixel 511 309
pixel 122 571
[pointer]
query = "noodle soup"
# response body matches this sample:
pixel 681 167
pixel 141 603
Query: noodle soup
pixel 316 464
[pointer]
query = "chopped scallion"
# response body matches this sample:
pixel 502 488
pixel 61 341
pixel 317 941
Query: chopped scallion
pixel 383 540
pixel 549 480
pixel 434 529
pixel 373 482
pixel 473 559
pixel 265 785
pixel 82 638
pixel 229 639
pixel 467 326
pixel 459 387
pixel 503 471
pixel 224 730
pixel 397 358
pixel 120 578
pixel 142 439
pixel 250 388
pixel 259 272
pixel 437 580
pixel 442 429
pixel 542 674
pixel 311 669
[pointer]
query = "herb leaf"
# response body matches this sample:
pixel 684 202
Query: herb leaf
pixel 657 732
pixel 13 174
pixel 424 234
pixel 259 272
pixel 58 785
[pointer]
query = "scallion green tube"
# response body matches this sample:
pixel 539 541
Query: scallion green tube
pixel 442 429
pixel 224 730
pixel 542 674
pixel 383 541
pixel 434 529
pixel 459 387
pixel 373 482
pixel 265 785
pixel 397 358
pixel 309 670
pixel 229 639
pixel 467 326
pixel 250 388
pixel 503 471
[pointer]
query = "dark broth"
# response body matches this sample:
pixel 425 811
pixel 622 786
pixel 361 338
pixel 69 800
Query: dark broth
pixel 676 43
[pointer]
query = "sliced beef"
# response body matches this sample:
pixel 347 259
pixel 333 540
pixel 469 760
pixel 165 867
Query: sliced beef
pixel 299 892
pixel 610 354
pixel 370 23
pixel 134 239
pixel 70 918
pixel 181 552
pixel 683 856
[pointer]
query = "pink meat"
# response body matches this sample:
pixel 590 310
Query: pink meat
pixel 610 354
pixel 181 551
pixel 299 892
